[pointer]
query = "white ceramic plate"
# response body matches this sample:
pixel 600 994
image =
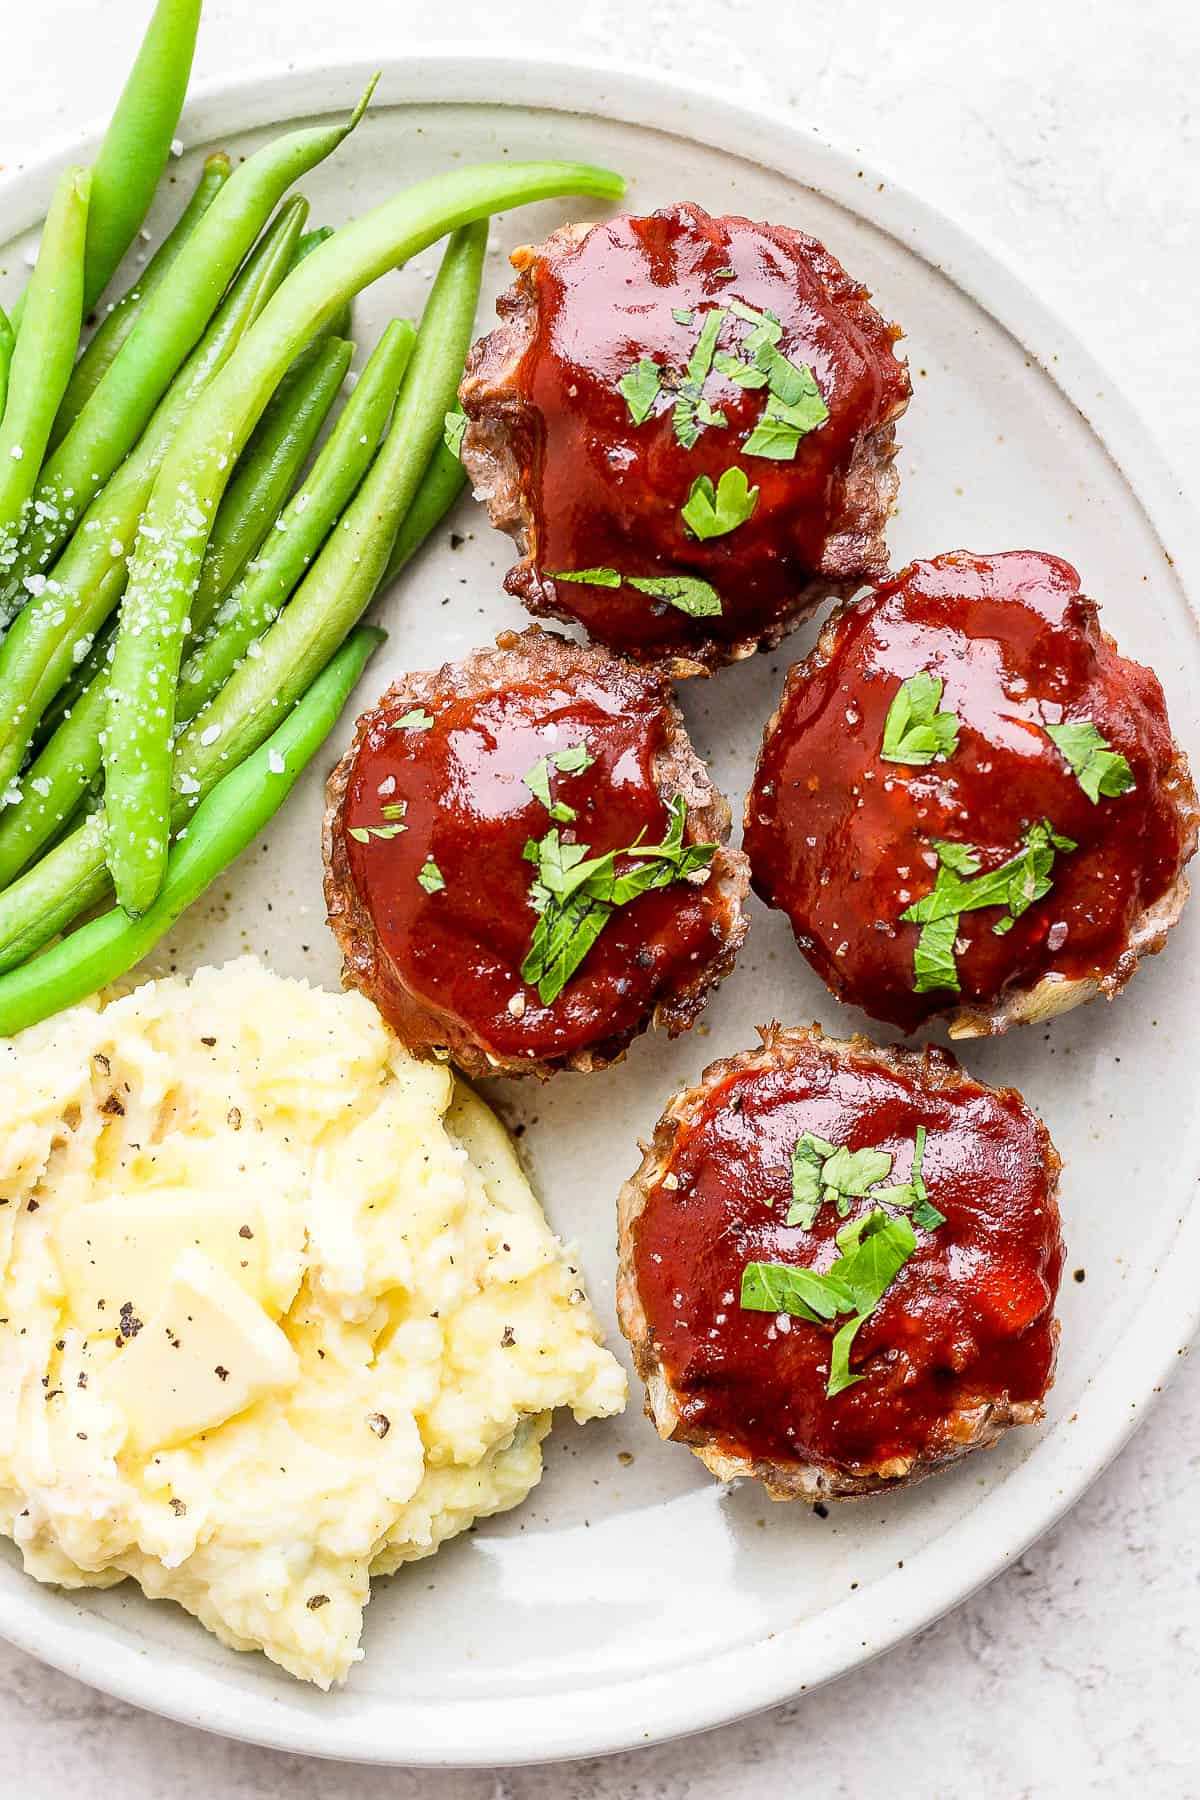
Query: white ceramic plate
pixel 631 1598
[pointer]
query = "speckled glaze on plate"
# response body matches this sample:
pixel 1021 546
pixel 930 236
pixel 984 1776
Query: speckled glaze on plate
pixel 632 1598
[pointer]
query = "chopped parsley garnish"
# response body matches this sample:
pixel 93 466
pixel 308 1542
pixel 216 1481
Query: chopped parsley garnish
pixel 1098 768
pixel 725 274
pixel 873 1251
pixel 692 411
pixel 395 809
pixel 959 888
pixel 362 834
pixel 795 405
pixel 576 896
pixel 914 730
pixel 416 720
pixel 697 598
pixel 590 577
pixel 822 1171
pixel 452 433
pixel 570 761
pixel 912 1194
pixel 641 388
pixel 711 512
pixel 431 878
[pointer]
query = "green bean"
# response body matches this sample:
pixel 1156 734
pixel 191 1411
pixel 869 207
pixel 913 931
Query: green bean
pixel 225 823
pixel 63 773
pixel 44 351
pixel 443 481
pixel 121 318
pixel 302 528
pixel 134 150
pixel 167 560
pixel 268 469
pixel 67 609
pixel 86 582
pixel 343 581
pixel 170 323
pixel 338 587
pixel 8 338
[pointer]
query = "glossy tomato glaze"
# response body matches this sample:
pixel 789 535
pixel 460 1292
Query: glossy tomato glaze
pixel 457 952
pixel 604 492
pixel 967 1322
pixel 841 840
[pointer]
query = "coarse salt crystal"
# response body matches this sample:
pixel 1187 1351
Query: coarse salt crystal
pixel 276 763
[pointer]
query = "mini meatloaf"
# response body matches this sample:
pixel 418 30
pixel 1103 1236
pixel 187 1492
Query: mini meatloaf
pixel 687 424
pixel 839 1265
pixel 525 861
pixel 968 803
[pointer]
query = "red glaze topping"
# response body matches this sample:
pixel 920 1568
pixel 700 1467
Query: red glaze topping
pixel 841 840
pixel 968 1319
pixel 457 951
pixel 604 492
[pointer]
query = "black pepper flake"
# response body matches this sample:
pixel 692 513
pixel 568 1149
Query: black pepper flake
pixel 233 1118
pixel 220 1373
pixel 130 1324
pixel 379 1423
pixel 32 1206
pixel 821 1510
pixel 102 1063
pixel 82 1436
pixel 508 1338
pixel 316 1601
pixel 178 1507
pixel 1081 1274
pixel 114 1106
pixel 81 1379
pixel 60 1344
pixel 244 1231
pixel 209 1041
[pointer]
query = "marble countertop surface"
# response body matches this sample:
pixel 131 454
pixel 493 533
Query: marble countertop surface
pixel 1066 135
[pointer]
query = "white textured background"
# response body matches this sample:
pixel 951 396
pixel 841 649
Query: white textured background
pixel 1066 135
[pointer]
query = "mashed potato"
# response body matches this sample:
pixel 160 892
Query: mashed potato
pixel 278 1310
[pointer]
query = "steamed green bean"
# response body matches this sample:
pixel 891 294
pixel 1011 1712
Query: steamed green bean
pixel 171 322
pixel 38 654
pixel 44 352
pixel 224 824
pixel 120 320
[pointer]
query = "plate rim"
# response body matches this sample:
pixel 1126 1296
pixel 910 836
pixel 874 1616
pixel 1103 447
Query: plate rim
pixel 612 1716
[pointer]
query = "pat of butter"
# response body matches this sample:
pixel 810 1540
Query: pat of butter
pixel 125 1250
pixel 208 1353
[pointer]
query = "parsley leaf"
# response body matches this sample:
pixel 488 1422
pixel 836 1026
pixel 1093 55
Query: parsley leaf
pixel 712 512
pixel 576 896
pixel 746 374
pixel 362 834
pixel 608 578
pixel 699 599
pixel 914 730
pixel 454 426
pixel 808 1158
pixel 1098 768
pixel 1016 884
pixel 416 720
pixel 641 389
pixel 571 760
pixel 725 274
pixel 783 1287
pixel 431 878
pixel 874 1250
pixel 682 315
pixel 913 1195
